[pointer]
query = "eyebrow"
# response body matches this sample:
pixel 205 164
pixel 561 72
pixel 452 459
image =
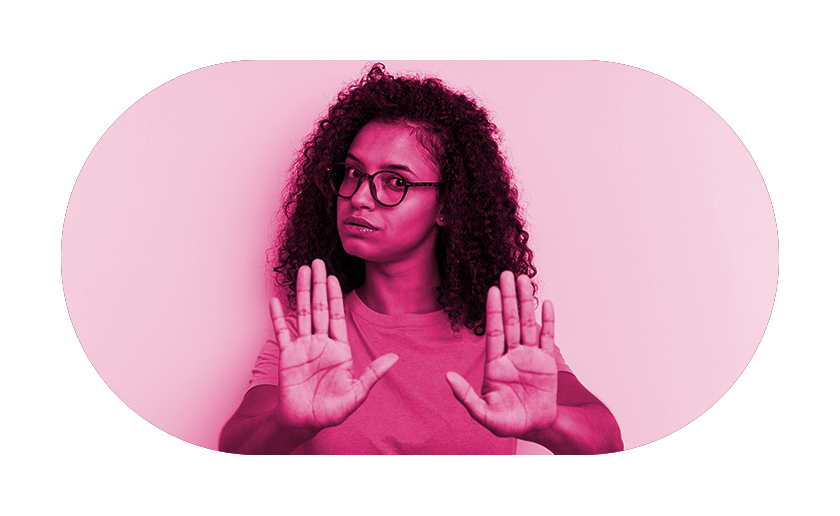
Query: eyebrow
pixel 392 166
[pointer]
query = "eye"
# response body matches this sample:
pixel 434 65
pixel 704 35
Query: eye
pixel 352 172
pixel 394 181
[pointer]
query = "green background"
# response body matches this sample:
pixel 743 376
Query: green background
pixel 69 70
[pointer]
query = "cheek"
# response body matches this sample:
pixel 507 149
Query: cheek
pixel 425 208
pixel 419 220
pixel 342 208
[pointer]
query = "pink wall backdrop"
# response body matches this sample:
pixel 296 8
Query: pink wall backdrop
pixel 653 231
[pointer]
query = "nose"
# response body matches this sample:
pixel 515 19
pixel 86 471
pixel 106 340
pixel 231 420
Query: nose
pixel 363 198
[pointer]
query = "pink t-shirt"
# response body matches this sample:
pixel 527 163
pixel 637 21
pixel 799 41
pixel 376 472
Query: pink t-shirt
pixel 411 410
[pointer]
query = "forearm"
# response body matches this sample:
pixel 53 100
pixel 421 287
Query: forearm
pixel 261 434
pixel 582 430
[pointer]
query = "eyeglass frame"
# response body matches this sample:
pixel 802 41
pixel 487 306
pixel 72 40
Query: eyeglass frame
pixel 369 177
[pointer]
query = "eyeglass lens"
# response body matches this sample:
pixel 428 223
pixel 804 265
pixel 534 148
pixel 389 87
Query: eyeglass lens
pixel 388 187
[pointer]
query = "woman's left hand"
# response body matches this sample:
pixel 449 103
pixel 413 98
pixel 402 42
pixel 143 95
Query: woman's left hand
pixel 519 394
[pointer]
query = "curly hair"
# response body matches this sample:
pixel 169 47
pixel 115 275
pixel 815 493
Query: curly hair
pixel 484 235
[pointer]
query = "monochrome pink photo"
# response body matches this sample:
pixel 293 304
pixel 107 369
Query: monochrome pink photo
pixel 420 257
pixel 410 322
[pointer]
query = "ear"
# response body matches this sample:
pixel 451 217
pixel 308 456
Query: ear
pixel 440 220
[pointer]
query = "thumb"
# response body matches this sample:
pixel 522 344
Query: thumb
pixel 464 392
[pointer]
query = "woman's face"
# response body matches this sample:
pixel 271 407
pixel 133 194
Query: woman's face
pixel 403 233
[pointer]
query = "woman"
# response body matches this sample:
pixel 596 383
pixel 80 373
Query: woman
pixel 402 203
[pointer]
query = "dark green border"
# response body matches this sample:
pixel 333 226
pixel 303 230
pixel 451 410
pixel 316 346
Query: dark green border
pixel 71 70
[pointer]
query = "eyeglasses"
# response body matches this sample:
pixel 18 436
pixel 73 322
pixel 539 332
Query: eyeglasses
pixel 387 188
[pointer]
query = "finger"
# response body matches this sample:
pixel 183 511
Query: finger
pixel 547 333
pixel 527 315
pixel 510 312
pixel 304 279
pixel 495 326
pixel 320 309
pixel 372 374
pixel 338 326
pixel 464 392
pixel 281 331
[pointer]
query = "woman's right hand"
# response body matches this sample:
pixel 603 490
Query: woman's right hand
pixel 316 388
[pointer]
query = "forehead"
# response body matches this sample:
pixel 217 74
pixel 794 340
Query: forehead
pixel 380 143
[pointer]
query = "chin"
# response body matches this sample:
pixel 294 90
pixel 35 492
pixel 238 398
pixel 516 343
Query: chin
pixel 356 248
pixel 365 251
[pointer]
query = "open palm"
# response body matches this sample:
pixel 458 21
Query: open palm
pixel 519 392
pixel 316 387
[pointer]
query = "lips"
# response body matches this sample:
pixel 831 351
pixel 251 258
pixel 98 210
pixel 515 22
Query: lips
pixel 358 221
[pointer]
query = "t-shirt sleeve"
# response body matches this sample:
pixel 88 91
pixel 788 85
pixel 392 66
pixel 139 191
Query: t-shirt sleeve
pixel 265 368
pixel 561 364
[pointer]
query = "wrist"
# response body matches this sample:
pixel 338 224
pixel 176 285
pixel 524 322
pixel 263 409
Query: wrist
pixel 293 434
pixel 543 435
pixel 587 429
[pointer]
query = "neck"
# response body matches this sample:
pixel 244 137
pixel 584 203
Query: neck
pixel 396 289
